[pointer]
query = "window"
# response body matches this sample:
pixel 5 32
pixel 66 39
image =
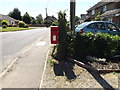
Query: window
pixel 92 26
pixel 109 19
pixel 98 26
pixel 82 25
pixel 111 27
pixel 93 12
pixel 104 8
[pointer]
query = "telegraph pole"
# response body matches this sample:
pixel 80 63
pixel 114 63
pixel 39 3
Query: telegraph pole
pixel 46 17
pixel 46 12
pixel 72 14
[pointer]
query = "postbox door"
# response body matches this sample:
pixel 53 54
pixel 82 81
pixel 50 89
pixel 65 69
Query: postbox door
pixel 54 34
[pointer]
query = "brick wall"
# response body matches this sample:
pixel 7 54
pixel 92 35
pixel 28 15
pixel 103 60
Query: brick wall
pixel 116 20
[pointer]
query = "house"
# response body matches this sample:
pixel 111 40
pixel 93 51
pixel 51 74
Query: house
pixel 7 18
pixel 83 17
pixel 109 11
pixel 49 19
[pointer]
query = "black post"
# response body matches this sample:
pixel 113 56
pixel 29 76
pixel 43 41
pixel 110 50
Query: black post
pixel 72 14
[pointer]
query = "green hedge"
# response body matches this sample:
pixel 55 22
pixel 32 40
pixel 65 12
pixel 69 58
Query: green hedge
pixel 23 25
pixel 101 45
pixel 4 26
pixel 4 22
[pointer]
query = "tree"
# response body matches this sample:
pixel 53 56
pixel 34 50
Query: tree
pixel 62 46
pixel 39 19
pixel 26 18
pixel 33 21
pixel 97 18
pixel 77 18
pixel 16 14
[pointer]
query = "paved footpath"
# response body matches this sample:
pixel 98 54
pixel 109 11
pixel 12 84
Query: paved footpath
pixel 27 71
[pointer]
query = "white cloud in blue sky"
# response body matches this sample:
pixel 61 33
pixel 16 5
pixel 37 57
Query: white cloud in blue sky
pixel 35 7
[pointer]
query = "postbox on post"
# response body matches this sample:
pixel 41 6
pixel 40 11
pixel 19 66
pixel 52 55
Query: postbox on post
pixel 54 34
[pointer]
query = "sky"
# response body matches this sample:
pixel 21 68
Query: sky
pixel 36 7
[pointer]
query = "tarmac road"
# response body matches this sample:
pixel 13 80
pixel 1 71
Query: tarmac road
pixel 13 43
pixel 28 69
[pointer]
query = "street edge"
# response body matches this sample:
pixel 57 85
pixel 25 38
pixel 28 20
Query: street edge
pixel 41 83
pixel 12 63
pixel 8 68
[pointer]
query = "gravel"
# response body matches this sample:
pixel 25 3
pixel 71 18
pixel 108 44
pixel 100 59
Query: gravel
pixel 68 75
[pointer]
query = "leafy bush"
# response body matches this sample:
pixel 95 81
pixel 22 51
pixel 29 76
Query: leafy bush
pixel 4 26
pixel 4 22
pixel 26 26
pixel 100 45
pixel 14 25
pixel 55 23
pixel 21 24
pixel 10 25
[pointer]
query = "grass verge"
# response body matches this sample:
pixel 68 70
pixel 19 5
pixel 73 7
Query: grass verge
pixel 14 29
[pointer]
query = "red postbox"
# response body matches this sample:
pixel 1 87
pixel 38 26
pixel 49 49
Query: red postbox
pixel 54 34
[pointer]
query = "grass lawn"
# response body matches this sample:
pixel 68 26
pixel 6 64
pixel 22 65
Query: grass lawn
pixel 14 29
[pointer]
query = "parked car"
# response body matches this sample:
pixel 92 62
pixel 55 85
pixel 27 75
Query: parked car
pixel 98 26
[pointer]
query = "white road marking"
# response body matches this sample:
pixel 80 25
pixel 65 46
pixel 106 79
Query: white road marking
pixel 40 86
pixel 31 45
pixel 8 67
pixel 40 44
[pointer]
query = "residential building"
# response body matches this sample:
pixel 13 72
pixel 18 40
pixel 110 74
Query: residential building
pixel 7 18
pixel 109 11
pixel 50 19
pixel 83 17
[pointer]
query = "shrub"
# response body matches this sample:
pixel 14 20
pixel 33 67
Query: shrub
pixel 55 23
pixel 14 25
pixel 26 26
pixel 10 25
pixel 100 45
pixel 4 26
pixel 21 24
pixel 4 22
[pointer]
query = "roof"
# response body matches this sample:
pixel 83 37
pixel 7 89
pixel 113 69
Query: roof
pixel 51 18
pixel 111 12
pixel 5 17
pixel 102 3
pixel 99 4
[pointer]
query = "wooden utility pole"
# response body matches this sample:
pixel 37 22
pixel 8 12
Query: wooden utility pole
pixel 46 12
pixel 72 14
pixel 46 17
